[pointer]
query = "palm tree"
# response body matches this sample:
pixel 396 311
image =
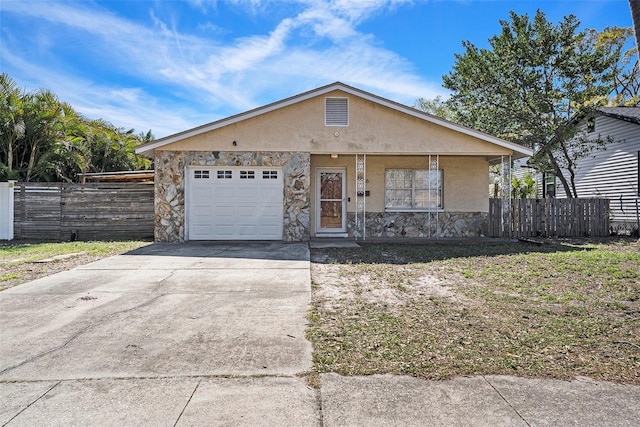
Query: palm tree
pixel 42 114
pixel 12 126
pixel 77 137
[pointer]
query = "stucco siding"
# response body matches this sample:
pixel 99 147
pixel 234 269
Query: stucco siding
pixel 373 129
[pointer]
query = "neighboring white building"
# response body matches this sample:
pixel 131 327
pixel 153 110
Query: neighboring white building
pixel 613 173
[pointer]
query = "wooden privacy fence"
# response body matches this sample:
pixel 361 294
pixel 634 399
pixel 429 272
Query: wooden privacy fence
pixel 96 211
pixel 549 218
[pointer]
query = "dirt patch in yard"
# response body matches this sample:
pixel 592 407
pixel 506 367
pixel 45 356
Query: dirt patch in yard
pixel 341 285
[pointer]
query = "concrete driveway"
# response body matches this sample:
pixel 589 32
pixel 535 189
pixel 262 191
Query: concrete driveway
pixel 200 333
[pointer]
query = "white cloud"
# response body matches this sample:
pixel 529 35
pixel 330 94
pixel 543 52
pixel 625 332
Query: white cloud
pixel 203 5
pixel 127 107
pixel 209 75
pixel 211 28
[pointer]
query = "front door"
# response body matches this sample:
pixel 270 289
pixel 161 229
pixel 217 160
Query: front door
pixel 331 214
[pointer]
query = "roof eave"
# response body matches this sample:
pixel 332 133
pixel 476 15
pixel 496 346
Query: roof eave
pixel 516 148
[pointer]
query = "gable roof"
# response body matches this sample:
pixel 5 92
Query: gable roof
pixel 628 114
pixel 518 149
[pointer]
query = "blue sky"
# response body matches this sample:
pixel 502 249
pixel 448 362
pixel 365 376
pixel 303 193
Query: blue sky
pixel 172 65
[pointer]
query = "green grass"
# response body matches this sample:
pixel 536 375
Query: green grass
pixel 30 252
pixel 560 311
pixel 19 261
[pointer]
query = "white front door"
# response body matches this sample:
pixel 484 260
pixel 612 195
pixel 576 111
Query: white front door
pixel 234 203
pixel 331 208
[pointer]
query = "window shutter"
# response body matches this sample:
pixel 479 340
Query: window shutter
pixel 336 112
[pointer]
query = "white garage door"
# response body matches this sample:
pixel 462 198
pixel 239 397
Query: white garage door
pixel 231 203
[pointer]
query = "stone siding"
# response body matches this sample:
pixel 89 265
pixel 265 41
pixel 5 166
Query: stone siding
pixel 421 224
pixel 170 184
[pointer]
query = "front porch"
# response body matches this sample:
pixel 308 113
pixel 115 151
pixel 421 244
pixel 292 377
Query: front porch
pixel 426 196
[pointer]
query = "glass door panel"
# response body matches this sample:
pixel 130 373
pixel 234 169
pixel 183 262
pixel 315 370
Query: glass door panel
pixel 332 208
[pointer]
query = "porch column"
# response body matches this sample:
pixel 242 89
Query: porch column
pixel 505 172
pixel 434 166
pixel 361 188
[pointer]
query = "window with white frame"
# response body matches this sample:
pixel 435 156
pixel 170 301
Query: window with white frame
pixel 413 189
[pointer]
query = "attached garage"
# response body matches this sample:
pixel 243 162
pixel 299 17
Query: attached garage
pixel 234 203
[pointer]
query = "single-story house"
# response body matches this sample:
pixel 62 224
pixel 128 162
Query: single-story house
pixel 332 162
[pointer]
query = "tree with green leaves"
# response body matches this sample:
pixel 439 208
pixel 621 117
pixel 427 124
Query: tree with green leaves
pixel 523 187
pixel 534 80
pixel 41 114
pixel 12 125
pixel 44 139
pixel 437 106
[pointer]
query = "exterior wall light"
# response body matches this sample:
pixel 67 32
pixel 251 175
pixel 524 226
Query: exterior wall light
pixel 334 156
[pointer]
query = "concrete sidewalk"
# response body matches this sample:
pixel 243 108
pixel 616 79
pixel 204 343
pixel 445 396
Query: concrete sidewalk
pixel 387 400
pixel 213 334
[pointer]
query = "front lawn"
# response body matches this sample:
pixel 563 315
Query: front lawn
pixel 558 310
pixel 24 261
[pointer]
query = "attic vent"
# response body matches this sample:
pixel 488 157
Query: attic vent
pixel 336 112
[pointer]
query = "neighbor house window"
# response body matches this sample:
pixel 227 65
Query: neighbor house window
pixel 549 185
pixel 336 112
pixel 413 189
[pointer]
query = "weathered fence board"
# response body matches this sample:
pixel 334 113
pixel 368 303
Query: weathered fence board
pixel 94 211
pixel 625 215
pixel 550 218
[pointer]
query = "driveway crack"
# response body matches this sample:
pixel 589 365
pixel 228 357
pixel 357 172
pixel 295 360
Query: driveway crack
pixel 32 403
pixel 80 332
pixel 187 404
pixel 319 403
pixel 506 401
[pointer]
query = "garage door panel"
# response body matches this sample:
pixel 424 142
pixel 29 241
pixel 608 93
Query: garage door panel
pixel 202 211
pixel 271 193
pixel 224 193
pixel 201 193
pixel 223 232
pixel 224 211
pixel 233 207
pixel 270 212
pixel 247 230
pixel 269 230
pixel 246 214
pixel 202 230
